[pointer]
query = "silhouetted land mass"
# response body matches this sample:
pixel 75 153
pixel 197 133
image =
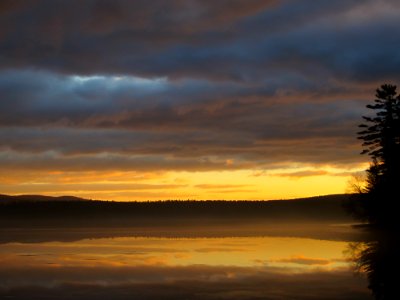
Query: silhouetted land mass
pixel 70 211
pixel 36 198
pixel 39 219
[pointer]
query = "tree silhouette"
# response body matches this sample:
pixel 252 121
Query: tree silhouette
pixel 381 141
pixel 378 257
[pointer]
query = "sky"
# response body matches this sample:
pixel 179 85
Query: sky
pixel 189 99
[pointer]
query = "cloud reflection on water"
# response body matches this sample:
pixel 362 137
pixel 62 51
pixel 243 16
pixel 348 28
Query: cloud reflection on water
pixel 165 268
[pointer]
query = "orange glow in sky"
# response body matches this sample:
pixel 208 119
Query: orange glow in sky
pixel 284 183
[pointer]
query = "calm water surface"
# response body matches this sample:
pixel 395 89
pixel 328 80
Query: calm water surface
pixel 179 268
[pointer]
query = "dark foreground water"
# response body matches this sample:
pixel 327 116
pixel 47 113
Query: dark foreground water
pixel 182 267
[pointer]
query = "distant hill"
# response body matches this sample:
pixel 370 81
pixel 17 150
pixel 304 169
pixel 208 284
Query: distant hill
pixel 40 198
pixel 37 198
pixel 35 210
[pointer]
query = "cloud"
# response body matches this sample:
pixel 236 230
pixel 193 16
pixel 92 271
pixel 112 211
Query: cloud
pixel 300 174
pixel 140 117
pixel 189 85
pixel 220 186
pixel 53 161
pixel 70 188
pixel 239 41
pixel 301 260
pixel 82 36
pixel 220 249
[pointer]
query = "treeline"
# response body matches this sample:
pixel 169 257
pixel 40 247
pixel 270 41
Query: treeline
pixel 109 213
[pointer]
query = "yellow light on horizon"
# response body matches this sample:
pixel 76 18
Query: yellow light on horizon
pixel 283 183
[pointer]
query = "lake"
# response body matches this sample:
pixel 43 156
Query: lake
pixel 174 266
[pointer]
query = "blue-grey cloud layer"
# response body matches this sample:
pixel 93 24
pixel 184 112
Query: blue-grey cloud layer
pixel 190 84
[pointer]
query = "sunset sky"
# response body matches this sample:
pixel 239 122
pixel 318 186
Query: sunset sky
pixel 189 99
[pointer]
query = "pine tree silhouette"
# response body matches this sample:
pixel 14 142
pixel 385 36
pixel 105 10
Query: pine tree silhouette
pixel 381 135
pixel 381 141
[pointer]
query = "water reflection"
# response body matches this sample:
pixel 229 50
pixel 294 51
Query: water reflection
pixel 179 268
pixel 291 253
pixel 379 260
pixel 320 231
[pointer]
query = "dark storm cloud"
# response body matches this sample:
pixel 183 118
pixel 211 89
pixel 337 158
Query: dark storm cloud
pixel 42 99
pixel 96 36
pixel 236 40
pixel 190 84
pixel 74 115
pixel 55 149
